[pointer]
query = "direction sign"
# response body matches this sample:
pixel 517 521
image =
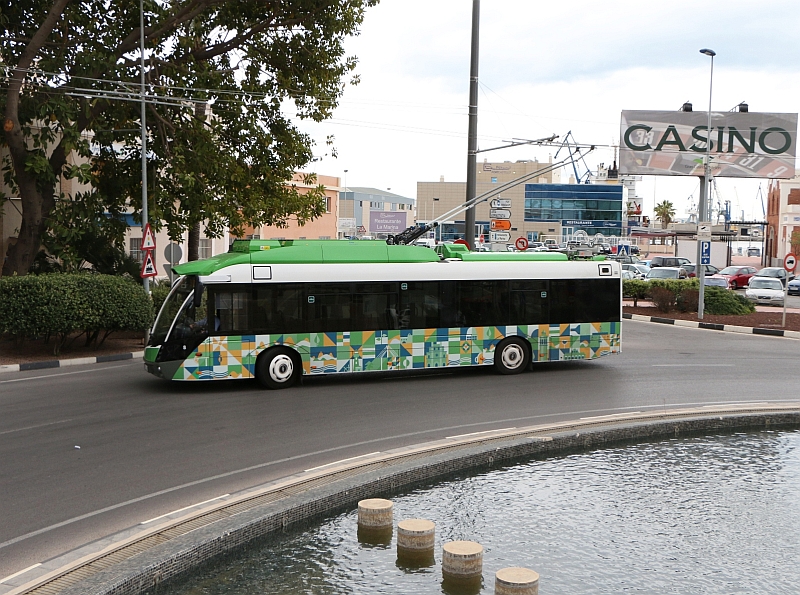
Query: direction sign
pixel 148 239
pixel 149 265
pixel 521 244
pixel 790 262
pixel 499 236
pixel 500 203
pixel 499 214
pixel 705 252
pixel 499 225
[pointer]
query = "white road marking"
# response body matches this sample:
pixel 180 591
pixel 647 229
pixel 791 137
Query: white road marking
pixel 67 373
pixel 16 574
pixel 369 454
pixel 184 508
pixel 479 433
pixel 693 365
pixel 610 415
pixel 52 423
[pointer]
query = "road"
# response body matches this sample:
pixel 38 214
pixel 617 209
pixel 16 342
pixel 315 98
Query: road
pixel 92 450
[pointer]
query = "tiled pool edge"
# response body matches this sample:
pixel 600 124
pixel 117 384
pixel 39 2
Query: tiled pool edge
pixel 182 554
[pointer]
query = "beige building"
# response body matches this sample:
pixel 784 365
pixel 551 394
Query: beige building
pixel 437 198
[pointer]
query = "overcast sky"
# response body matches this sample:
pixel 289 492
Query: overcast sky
pixel 549 68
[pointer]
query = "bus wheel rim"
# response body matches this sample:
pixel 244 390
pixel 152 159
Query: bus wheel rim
pixel 512 356
pixel 281 368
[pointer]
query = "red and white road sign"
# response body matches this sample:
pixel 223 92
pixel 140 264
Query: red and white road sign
pixel 148 239
pixel 148 265
pixel 790 262
pixel 521 244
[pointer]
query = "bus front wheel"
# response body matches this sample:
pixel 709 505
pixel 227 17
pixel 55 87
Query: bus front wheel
pixel 511 356
pixel 278 368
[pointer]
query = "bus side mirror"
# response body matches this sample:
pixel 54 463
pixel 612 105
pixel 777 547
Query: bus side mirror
pixel 198 294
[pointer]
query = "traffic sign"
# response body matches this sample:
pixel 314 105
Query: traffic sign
pixel 499 236
pixel 500 203
pixel 704 231
pixel 499 214
pixel 500 225
pixel 624 249
pixel 521 244
pixel 149 265
pixel 173 253
pixel 705 252
pixel 790 262
pixel 148 239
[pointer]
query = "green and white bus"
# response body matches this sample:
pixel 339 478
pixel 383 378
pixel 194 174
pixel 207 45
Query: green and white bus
pixel 274 310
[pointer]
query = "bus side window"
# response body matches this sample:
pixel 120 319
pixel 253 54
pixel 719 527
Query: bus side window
pixel 232 308
pixel 528 302
pixel 419 305
pixel 278 310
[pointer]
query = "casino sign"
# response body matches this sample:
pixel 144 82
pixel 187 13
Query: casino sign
pixel 743 145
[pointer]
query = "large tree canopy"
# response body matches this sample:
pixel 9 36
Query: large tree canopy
pixel 221 76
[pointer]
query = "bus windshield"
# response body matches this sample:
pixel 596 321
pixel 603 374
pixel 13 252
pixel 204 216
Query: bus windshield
pixel 173 306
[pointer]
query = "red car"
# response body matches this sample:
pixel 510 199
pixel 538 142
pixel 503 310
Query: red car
pixel 738 276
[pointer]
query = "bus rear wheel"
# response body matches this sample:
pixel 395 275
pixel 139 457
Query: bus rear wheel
pixel 278 368
pixel 511 356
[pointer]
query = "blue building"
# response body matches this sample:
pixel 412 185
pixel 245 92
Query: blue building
pixel 592 208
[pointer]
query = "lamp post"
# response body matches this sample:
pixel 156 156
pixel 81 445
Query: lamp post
pixel 702 214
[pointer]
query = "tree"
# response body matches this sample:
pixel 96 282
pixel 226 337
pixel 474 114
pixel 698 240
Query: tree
pixel 665 212
pixel 221 76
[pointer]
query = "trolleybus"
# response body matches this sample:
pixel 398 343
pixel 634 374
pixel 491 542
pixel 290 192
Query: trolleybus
pixel 275 310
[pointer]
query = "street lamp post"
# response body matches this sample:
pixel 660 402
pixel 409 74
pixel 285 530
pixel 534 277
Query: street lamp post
pixel 706 190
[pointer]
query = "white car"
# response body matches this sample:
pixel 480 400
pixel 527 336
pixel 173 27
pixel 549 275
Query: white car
pixel 765 290
pixel 639 270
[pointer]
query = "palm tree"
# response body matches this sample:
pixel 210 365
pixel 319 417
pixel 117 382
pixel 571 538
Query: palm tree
pixel 665 212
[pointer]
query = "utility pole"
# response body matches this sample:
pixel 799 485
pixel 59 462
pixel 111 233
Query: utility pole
pixel 146 280
pixel 472 147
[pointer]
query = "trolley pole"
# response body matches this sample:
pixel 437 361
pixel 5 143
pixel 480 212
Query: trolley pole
pixel 472 147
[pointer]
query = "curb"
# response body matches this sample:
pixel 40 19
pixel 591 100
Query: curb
pixel 63 363
pixel 728 328
pixel 140 559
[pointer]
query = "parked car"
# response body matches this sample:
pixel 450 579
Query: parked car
pixel 737 276
pixel 624 259
pixel 604 248
pixel 753 251
pixel 634 249
pixel 794 286
pixel 668 261
pixel 691 269
pixel 665 273
pixel 645 263
pixel 775 273
pixel 639 271
pixel 716 281
pixel 628 275
pixel 765 290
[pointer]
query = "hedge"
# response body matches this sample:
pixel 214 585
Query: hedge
pixel 59 305
pixel 716 300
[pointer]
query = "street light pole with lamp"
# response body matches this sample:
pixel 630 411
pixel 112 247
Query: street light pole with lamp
pixel 705 190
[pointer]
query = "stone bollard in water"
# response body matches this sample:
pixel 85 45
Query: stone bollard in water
pixel 516 581
pixel 415 538
pixel 375 521
pixel 462 566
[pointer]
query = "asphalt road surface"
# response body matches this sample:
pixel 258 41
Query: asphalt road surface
pixel 88 451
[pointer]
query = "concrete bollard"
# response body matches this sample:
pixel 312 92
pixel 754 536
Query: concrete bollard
pixel 375 513
pixel 415 540
pixel 375 521
pixel 516 581
pixel 462 565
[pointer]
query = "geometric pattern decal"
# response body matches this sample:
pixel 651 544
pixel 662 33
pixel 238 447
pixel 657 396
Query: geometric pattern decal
pixel 363 351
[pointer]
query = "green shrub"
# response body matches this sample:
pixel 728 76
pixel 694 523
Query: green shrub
pixel 676 286
pixel 635 289
pixel 58 305
pixel 725 302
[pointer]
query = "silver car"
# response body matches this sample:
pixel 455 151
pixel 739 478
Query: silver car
pixel 765 290
pixel 666 273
